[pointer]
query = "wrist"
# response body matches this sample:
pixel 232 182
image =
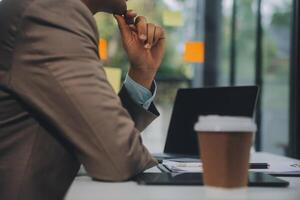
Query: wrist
pixel 142 77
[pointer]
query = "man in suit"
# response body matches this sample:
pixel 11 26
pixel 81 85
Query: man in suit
pixel 57 110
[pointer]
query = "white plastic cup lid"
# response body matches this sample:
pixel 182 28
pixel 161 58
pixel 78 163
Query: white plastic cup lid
pixel 216 123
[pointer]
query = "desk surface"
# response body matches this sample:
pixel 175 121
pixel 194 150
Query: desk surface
pixel 86 189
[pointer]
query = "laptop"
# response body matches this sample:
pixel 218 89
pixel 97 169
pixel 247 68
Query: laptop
pixel 190 103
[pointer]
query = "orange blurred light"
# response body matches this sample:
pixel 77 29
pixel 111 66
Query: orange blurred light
pixel 194 52
pixel 103 49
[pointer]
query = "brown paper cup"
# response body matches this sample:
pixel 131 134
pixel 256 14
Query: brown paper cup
pixel 225 152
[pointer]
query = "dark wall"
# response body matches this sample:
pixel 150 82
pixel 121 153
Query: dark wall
pixel 213 22
pixel 294 147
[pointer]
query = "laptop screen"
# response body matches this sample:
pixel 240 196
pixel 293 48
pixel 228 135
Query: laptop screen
pixel 190 103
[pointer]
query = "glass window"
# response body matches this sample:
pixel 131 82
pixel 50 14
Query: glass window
pixel 276 23
pixel 276 69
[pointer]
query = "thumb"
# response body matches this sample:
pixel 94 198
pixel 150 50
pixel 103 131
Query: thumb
pixel 123 26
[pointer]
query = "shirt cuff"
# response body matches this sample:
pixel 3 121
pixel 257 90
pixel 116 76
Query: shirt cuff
pixel 140 94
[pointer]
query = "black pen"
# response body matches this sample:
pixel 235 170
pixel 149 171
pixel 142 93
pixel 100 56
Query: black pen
pixel 164 168
pixel 259 165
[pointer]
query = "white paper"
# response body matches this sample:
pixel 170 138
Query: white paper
pixel 196 167
pixel 281 168
pixel 179 167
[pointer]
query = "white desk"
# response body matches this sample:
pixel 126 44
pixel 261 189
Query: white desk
pixel 84 188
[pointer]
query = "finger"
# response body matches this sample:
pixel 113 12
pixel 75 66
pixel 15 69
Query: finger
pixel 159 47
pixel 133 28
pixel 159 34
pixel 150 35
pixel 129 16
pixel 141 25
pixel 123 26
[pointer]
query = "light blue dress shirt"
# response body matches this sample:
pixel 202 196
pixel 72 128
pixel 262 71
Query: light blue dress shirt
pixel 139 93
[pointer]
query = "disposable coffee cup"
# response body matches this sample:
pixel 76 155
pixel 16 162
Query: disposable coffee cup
pixel 225 144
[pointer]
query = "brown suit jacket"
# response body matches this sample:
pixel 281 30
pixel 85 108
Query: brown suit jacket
pixel 57 109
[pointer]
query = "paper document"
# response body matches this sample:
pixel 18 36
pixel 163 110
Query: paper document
pixel 285 168
pixel 179 167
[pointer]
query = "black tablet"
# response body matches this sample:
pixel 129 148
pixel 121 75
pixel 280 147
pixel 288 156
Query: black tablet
pixel 256 179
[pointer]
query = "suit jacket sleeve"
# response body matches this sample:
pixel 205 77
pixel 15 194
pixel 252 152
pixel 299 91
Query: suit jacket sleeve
pixel 140 116
pixel 57 73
